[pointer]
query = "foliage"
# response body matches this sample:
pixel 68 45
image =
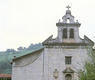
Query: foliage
pixel 20 48
pixel 7 56
pixel 89 68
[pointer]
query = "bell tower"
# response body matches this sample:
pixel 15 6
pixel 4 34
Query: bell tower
pixel 68 29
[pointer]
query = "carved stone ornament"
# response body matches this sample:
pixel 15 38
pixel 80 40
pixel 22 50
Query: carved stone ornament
pixel 55 74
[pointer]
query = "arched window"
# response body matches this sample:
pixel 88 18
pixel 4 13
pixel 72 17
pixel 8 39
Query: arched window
pixel 68 20
pixel 68 77
pixel 71 33
pixel 65 33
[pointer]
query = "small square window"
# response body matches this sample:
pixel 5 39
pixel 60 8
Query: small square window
pixel 68 59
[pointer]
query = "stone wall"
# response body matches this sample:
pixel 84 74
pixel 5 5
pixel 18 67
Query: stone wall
pixel 49 60
pixel 31 71
pixel 55 59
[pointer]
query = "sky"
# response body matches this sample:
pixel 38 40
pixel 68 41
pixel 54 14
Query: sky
pixel 23 22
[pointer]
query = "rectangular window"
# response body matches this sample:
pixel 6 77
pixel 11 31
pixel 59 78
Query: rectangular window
pixel 68 59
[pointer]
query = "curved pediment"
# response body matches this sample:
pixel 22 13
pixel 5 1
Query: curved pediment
pixel 68 70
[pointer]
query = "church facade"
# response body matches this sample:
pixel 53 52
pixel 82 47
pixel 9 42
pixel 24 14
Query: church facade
pixel 61 58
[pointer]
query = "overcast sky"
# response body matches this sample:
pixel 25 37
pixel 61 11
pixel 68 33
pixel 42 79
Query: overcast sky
pixel 32 21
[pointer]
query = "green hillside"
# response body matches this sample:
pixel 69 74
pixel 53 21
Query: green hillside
pixel 7 56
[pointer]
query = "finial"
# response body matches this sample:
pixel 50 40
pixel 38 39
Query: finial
pixel 77 21
pixel 59 20
pixel 68 7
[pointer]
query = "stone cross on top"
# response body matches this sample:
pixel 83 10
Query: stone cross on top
pixel 68 7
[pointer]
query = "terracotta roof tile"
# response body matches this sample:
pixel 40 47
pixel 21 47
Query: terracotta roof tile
pixel 5 75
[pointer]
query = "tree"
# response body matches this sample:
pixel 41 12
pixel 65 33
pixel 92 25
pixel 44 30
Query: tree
pixel 20 48
pixel 10 50
pixel 89 68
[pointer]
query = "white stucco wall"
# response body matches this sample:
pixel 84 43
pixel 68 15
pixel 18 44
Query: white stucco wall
pixel 30 71
pixel 55 59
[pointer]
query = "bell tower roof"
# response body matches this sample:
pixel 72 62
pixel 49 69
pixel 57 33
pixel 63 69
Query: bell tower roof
pixel 68 19
pixel 68 11
pixel 68 32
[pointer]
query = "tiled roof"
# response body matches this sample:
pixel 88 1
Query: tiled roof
pixel 5 75
pixel 28 54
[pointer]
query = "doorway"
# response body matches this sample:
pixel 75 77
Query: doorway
pixel 68 77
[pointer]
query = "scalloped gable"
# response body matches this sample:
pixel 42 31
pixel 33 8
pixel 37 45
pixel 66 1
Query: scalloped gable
pixel 84 42
pixel 88 40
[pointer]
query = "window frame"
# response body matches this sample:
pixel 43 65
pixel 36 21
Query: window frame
pixel 68 60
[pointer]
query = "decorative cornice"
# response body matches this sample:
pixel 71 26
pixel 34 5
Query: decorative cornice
pixel 68 24
pixel 67 44
pixel 68 70
pixel 66 47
